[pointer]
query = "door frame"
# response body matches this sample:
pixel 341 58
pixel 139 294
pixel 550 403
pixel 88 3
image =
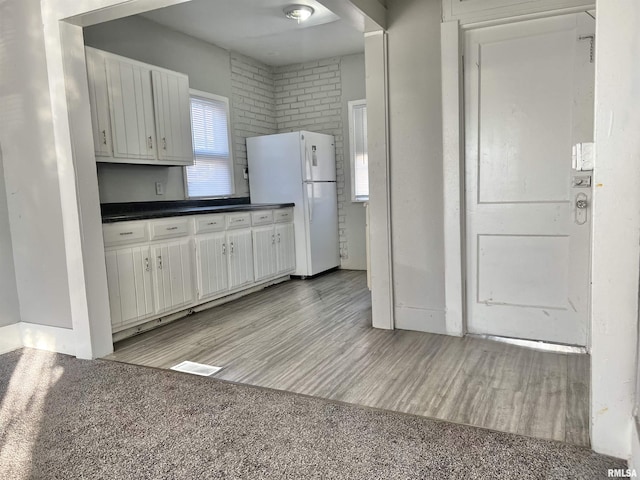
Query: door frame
pixel 453 127
pixel 63 21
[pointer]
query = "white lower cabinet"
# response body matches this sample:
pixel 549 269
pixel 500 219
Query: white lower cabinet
pixel 130 285
pixel 171 264
pixel 212 267
pixel 240 258
pixel 173 275
pixel 264 252
pixel 285 248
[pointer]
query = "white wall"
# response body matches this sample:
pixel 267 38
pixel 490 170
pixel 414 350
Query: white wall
pixel 30 168
pixel 352 73
pixel 9 307
pixel 616 226
pixel 416 164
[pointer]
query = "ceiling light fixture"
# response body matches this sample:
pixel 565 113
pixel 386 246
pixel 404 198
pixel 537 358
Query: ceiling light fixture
pixel 300 13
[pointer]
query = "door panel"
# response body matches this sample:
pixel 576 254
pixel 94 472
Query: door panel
pixel 525 82
pixel 173 275
pixel 211 251
pixel 240 257
pixel 131 105
pixel 130 287
pixel 319 157
pixel 526 97
pixel 173 121
pixel 99 102
pixel 323 252
pixel 264 252
pixel 285 243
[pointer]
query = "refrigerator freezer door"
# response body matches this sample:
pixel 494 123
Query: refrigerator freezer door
pixel 321 214
pixel 318 154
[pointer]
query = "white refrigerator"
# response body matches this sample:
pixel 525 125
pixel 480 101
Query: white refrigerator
pixel 300 167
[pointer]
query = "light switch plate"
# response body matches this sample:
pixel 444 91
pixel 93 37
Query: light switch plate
pixel 159 188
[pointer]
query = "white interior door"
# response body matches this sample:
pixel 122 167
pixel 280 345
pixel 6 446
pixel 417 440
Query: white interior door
pixel 528 98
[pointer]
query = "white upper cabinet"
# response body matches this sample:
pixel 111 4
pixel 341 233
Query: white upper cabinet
pixel 131 105
pixel 470 11
pixel 173 117
pixel 140 113
pixel 99 102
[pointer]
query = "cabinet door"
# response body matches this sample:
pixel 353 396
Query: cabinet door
pixel 129 283
pixel 211 251
pixel 173 275
pixel 285 248
pixel 99 103
pixel 239 247
pixel 173 117
pixel 264 252
pixel 131 105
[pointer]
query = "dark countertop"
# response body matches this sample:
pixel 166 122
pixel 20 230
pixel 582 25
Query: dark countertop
pixel 122 212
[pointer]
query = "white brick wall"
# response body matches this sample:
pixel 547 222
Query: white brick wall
pixel 308 96
pixel 252 109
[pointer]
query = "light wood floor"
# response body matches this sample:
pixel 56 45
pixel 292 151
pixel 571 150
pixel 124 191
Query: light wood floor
pixel 314 337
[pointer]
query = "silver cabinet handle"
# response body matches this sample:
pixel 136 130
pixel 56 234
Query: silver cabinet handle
pixel 146 264
pixel 212 223
pixel 150 142
pixel 224 248
pixel 126 233
pixel 164 143
pixel 104 137
pixel 278 238
pixel 273 239
pixel 159 262
pixel 231 248
pixel 172 228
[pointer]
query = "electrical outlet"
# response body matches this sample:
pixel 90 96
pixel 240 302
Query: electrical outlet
pixel 159 188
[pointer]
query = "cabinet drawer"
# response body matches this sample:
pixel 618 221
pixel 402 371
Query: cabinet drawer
pixel 238 220
pixel 283 215
pixel 211 223
pixel 169 229
pixel 124 233
pixel 262 217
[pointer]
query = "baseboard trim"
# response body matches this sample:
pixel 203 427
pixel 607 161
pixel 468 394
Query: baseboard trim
pixel 10 338
pixel 44 337
pixel 634 461
pixel 41 337
pixel 172 317
pixel 420 319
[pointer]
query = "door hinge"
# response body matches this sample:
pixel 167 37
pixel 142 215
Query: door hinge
pixel 592 41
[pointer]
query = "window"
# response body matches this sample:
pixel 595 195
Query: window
pixel 212 172
pixel 358 147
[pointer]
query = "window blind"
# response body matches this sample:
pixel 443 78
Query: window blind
pixel 360 158
pixel 212 172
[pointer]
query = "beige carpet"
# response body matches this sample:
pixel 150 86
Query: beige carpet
pixel 62 418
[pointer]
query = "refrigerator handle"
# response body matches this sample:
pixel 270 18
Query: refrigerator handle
pixel 311 200
pixel 308 162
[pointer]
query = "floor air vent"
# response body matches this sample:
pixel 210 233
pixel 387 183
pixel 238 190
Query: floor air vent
pixel 196 368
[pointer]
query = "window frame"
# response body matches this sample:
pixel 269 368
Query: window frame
pixel 351 105
pixel 211 96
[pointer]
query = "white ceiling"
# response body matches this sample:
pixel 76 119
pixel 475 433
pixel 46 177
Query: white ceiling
pixel 259 29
